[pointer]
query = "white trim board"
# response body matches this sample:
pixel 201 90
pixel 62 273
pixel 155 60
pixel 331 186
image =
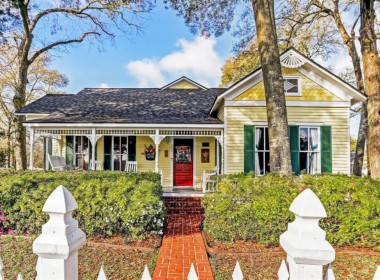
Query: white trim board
pixel 248 103
pixel 124 125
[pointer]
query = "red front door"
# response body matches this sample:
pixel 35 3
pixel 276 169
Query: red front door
pixel 183 162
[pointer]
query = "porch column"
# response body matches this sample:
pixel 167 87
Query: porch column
pixel 31 148
pixel 221 149
pixel 93 143
pixel 157 138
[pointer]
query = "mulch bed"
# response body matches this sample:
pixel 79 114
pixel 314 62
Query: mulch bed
pixel 120 261
pixel 260 262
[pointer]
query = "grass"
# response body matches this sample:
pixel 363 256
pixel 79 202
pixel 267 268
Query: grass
pixel 354 265
pixel 118 261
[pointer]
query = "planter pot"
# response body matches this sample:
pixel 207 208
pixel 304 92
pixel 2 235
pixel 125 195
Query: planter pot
pixel 150 155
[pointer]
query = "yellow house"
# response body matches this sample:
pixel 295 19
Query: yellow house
pixel 184 129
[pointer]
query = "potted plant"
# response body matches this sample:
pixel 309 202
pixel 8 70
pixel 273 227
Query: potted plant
pixel 150 152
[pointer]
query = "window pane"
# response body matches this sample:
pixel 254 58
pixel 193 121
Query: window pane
pixel 116 162
pixel 260 164
pixel 259 138
pixel 116 145
pixel 303 162
pixel 78 144
pixel 267 163
pixel 85 145
pixel 124 147
pixel 266 139
pixel 313 161
pixel 304 139
pixel 131 148
pixel 291 85
pixel 314 139
pixel 107 144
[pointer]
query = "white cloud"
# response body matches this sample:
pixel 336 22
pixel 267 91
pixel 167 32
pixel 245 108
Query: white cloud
pixel 196 59
pixel 147 72
pixel 104 85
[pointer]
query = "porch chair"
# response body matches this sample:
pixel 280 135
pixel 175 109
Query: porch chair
pixel 59 164
pixel 131 166
pixel 208 184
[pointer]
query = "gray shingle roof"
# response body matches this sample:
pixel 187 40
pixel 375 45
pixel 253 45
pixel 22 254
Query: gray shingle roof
pixel 128 105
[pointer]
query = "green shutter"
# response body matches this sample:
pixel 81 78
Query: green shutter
pixel 69 149
pixel 249 148
pixel 294 148
pixel 326 149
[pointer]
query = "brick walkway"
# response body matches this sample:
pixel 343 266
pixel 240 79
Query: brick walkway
pixel 182 244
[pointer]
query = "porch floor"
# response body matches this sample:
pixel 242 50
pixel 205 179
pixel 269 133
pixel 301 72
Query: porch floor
pixel 182 192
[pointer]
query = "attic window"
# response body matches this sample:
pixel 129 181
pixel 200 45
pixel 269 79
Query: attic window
pixel 292 86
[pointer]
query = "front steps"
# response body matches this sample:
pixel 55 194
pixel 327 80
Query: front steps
pixel 184 205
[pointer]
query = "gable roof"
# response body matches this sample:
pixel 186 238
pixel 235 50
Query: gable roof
pixel 181 80
pixel 128 105
pixel 291 58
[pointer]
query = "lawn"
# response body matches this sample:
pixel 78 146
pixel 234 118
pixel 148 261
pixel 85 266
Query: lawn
pixel 119 261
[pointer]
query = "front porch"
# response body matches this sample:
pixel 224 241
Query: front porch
pixel 180 156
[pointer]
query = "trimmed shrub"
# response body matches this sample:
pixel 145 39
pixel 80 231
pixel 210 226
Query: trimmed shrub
pixel 257 209
pixel 108 202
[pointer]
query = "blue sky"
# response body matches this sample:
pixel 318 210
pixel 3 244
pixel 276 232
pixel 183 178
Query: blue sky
pixel 147 59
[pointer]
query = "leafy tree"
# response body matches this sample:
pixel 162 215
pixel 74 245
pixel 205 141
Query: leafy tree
pixel 371 66
pixel 41 80
pixel 69 22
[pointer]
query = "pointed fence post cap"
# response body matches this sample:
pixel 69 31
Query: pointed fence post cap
pixel 60 201
pixel 19 277
pixel 192 274
pixel 1 264
pixel 146 274
pixel 102 274
pixel 308 205
pixel 237 274
pixel 377 274
pixel 283 272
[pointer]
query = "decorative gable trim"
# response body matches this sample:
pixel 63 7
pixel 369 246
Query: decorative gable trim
pixel 292 59
pixel 184 79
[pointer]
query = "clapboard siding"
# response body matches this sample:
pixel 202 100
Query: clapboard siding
pixel 337 118
pixel 311 91
pixel 220 114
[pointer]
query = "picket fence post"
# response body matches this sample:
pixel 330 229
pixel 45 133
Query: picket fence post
pixel 305 242
pixel 57 246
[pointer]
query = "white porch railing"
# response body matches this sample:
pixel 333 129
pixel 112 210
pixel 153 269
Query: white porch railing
pixel 304 242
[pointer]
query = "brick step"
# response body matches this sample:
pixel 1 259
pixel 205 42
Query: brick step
pixel 184 205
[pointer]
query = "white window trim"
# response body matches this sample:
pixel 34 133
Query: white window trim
pixel 299 93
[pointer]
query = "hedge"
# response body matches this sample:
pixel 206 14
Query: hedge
pixel 257 209
pixel 109 203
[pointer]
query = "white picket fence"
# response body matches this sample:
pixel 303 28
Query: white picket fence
pixel 304 242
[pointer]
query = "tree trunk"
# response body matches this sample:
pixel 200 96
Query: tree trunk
pixel 361 141
pixel 9 139
pixel 19 101
pixel 279 147
pixel 371 65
